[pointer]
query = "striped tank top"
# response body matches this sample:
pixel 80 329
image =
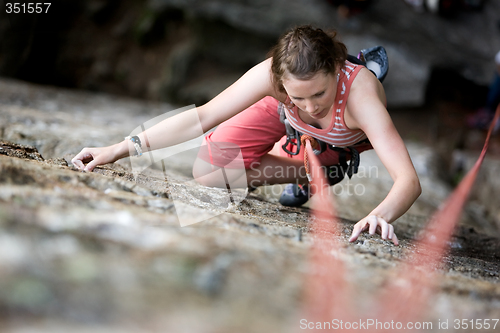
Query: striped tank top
pixel 337 133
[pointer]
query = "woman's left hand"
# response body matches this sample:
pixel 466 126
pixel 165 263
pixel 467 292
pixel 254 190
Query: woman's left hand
pixel 374 224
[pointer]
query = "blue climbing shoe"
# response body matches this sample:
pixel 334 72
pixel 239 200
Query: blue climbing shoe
pixel 376 60
pixel 294 195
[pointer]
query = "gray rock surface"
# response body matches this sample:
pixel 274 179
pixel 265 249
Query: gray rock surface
pixel 104 252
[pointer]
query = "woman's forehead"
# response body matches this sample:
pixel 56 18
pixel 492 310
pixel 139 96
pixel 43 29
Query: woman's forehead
pixel 308 87
pixel 317 81
pixel 287 75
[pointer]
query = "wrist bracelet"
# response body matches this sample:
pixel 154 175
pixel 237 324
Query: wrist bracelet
pixel 137 144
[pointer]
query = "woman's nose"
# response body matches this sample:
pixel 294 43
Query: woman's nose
pixel 311 106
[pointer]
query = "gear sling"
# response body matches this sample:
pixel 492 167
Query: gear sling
pixel 375 59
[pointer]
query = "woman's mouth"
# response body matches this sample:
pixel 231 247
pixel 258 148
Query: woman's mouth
pixel 317 113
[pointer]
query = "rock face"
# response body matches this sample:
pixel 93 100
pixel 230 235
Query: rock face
pixel 188 51
pixel 105 251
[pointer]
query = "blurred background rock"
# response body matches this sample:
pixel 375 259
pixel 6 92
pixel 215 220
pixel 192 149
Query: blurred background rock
pixel 188 51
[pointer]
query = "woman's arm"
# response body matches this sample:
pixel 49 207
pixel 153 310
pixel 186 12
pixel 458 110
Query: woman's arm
pixel 366 111
pixel 250 88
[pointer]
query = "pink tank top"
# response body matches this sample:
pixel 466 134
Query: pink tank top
pixel 337 133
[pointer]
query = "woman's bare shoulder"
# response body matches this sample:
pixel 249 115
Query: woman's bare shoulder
pixel 366 99
pixel 254 85
pixel 264 69
pixel 264 72
pixel 367 85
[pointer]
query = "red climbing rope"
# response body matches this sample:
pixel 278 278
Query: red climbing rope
pixel 327 293
pixel 405 298
pixel 408 304
pixel 314 145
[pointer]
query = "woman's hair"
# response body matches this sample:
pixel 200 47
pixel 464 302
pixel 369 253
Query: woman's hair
pixel 305 51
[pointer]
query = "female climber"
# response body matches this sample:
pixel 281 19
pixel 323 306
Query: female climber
pixel 307 87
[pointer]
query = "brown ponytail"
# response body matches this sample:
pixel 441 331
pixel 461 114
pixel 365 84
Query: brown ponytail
pixel 305 51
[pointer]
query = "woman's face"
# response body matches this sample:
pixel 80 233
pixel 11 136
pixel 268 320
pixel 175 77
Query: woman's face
pixel 314 96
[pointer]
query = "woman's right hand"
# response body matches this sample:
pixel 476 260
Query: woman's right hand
pixel 93 157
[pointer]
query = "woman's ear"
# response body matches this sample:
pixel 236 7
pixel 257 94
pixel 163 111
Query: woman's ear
pixel 282 87
pixel 336 75
pixel 339 69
